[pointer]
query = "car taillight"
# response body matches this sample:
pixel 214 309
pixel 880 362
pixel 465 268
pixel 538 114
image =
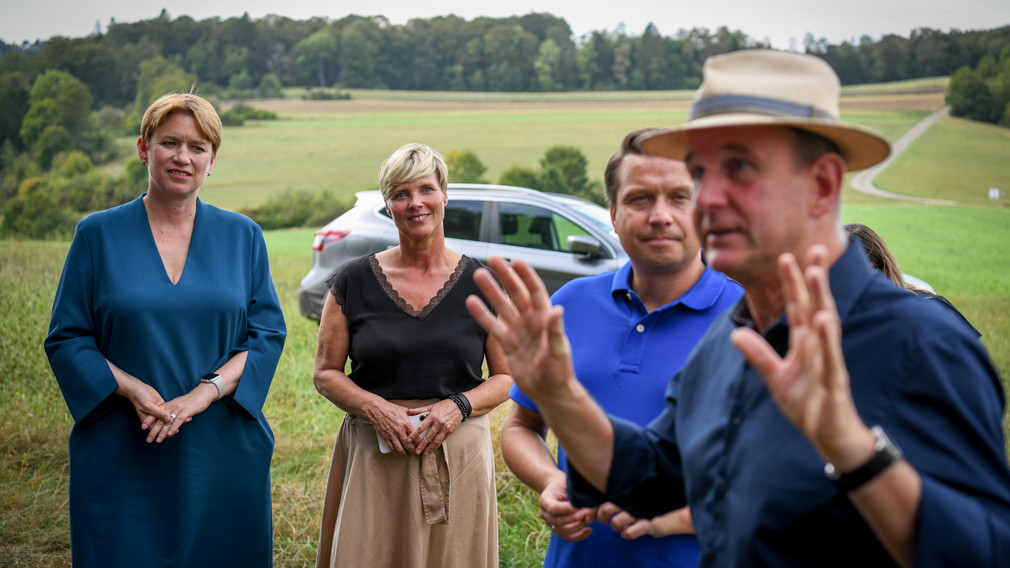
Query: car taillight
pixel 324 237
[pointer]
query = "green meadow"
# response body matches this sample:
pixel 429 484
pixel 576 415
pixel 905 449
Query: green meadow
pixel 338 145
pixel 963 251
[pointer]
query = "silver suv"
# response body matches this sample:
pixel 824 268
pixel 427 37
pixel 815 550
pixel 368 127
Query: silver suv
pixel 561 236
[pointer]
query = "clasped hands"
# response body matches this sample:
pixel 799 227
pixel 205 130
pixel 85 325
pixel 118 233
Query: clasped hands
pixel 162 419
pixel 392 423
pixel 574 523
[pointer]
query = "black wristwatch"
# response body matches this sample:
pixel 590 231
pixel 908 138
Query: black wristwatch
pixel 214 379
pixel 885 454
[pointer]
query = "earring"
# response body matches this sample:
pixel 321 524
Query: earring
pixel 144 162
pixel 208 174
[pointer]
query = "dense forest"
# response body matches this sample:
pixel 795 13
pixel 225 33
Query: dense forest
pixel 534 52
pixel 64 100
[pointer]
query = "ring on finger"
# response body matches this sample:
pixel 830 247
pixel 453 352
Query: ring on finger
pixel 172 416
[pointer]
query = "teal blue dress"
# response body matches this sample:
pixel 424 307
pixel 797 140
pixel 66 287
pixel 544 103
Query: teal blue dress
pixel 202 497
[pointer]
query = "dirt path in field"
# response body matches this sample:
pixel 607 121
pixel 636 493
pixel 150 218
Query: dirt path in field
pixel 863 181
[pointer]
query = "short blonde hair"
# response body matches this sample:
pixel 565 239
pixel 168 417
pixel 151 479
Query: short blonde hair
pixel 408 163
pixel 207 120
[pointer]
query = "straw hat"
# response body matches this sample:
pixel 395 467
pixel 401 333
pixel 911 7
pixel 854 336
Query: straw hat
pixel 766 87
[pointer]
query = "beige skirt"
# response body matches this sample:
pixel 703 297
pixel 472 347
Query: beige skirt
pixel 410 511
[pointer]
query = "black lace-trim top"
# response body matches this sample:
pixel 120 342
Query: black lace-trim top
pixel 399 352
pixel 395 296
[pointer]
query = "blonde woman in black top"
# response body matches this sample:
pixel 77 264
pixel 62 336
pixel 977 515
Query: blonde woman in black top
pixel 401 492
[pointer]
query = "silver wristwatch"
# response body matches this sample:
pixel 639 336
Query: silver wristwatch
pixel 214 379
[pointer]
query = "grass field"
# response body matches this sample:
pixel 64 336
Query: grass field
pixel 962 251
pixel 945 163
pixel 338 145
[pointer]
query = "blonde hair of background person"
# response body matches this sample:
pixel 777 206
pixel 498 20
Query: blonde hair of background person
pixel 412 162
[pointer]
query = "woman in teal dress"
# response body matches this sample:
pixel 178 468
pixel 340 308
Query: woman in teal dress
pixel 165 334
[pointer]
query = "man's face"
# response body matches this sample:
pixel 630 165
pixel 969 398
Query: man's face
pixel 652 213
pixel 751 200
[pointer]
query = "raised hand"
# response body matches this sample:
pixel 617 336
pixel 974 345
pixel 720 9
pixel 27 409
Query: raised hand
pixel 528 327
pixel 532 335
pixel 810 384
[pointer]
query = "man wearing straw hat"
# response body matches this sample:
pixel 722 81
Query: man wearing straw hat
pixel 782 431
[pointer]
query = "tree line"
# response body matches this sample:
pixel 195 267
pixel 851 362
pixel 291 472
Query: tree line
pixel 533 52
pixel 65 100
pixel 125 68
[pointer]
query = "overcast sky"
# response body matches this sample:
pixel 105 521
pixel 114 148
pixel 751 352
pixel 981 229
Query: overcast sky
pixel 779 21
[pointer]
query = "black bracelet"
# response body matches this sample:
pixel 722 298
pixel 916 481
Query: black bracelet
pixel 464 405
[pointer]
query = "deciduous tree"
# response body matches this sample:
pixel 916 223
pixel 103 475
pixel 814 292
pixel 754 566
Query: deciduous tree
pixel 314 53
pixel 465 166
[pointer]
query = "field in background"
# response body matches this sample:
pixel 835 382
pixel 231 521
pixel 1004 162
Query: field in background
pixel 962 251
pixel 338 145
pixel 955 159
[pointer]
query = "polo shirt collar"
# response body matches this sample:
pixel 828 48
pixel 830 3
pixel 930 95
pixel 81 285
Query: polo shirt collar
pixel 701 296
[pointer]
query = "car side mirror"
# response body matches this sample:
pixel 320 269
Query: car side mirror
pixel 584 246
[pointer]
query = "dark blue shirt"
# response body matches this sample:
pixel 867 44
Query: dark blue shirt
pixel 756 486
pixel 614 341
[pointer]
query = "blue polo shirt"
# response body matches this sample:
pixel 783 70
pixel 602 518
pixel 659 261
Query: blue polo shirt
pixel 626 357
pixel 756 487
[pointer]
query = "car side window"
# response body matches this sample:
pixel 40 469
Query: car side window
pixel 462 219
pixel 535 227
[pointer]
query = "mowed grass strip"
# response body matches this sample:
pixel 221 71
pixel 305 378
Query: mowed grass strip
pixel 34 421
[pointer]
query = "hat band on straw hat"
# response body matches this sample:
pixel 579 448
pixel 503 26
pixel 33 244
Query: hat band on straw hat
pixel 722 104
pixel 767 88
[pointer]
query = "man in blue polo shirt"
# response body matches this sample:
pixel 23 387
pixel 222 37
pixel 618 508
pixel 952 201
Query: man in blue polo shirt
pixel 661 302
